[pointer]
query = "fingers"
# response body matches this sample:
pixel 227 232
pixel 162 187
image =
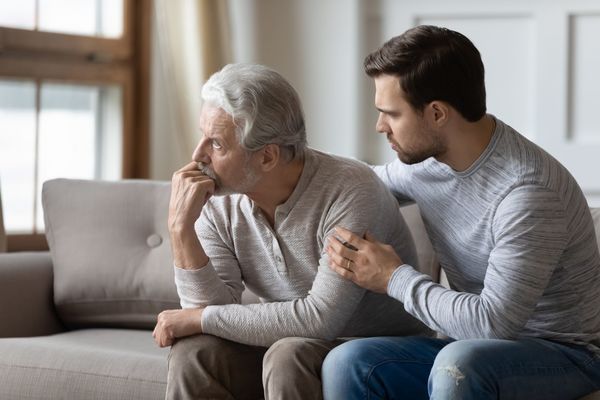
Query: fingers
pixel 349 237
pixel 334 254
pixel 162 334
pixel 369 237
pixel 339 252
pixel 342 271
pixel 191 166
pixel 189 170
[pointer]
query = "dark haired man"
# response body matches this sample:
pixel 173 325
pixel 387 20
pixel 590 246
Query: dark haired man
pixel 511 228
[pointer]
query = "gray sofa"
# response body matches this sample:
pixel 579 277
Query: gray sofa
pixel 76 322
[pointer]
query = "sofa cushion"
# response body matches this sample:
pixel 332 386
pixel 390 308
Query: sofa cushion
pixel 428 262
pixel 110 249
pixel 84 364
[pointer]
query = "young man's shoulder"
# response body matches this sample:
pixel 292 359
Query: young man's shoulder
pixel 530 164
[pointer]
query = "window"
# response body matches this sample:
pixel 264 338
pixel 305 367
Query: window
pixel 73 100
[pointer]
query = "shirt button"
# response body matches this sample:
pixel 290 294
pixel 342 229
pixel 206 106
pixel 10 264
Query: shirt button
pixel 278 259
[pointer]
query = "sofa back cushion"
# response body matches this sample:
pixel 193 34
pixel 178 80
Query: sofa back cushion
pixel 428 262
pixel 110 250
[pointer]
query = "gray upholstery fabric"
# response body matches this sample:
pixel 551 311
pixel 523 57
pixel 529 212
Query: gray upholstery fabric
pixel 26 307
pixel 2 231
pixel 428 262
pixel 85 364
pixel 110 250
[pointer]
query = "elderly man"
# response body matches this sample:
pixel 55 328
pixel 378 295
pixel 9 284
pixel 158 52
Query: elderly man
pixel 254 208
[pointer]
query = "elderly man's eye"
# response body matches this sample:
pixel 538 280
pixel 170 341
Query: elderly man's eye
pixel 216 145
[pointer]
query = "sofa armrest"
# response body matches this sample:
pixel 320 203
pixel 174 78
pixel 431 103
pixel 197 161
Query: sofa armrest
pixel 26 300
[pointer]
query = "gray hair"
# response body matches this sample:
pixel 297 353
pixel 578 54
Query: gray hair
pixel 264 106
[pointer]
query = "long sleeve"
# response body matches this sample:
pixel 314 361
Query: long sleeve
pixel 529 238
pixel 287 267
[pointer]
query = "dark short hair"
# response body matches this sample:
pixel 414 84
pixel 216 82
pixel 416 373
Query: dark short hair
pixel 434 63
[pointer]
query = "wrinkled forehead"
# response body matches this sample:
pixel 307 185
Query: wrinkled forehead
pixel 214 121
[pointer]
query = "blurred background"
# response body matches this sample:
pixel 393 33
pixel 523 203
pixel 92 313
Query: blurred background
pixel 109 89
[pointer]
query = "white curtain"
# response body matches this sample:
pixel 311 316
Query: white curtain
pixel 192 41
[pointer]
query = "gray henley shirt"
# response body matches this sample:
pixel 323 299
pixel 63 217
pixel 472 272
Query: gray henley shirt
pixel 286 266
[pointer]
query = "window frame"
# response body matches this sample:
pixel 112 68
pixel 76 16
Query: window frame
pixel 74 59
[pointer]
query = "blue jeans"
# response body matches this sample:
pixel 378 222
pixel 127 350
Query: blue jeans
pixel 414 368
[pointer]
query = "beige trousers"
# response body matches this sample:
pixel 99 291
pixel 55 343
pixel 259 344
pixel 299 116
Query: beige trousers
pixel 208 367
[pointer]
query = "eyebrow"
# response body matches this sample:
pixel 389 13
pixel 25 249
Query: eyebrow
pixel 383 110
pixel 211 135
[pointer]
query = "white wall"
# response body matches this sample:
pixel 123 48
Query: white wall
pixel 313 44
pixel 541 67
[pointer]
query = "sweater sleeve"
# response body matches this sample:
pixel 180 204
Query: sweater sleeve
pixel 331 301
pixel 529 233
pixel 219 281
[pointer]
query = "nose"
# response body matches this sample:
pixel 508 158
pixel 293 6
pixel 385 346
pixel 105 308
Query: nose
pixel 200 153
pixel 380 125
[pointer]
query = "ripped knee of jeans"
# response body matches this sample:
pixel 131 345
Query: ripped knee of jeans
pixel 453 372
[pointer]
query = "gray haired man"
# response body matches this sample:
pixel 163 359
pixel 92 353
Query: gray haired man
pixel 274 207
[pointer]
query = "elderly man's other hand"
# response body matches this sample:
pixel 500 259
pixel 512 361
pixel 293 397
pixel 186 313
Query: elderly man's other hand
pixel 366 262
pixel 173 324
pixel 190 189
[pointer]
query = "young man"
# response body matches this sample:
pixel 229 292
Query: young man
pixel 277 202
pixel 511 228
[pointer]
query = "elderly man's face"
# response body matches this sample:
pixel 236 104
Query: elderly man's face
pixel 220 154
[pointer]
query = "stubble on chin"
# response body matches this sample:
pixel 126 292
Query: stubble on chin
pixel 249 180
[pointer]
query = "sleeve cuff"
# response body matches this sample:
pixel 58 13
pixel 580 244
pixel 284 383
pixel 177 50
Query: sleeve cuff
pixel 200 275
pixel 196 286
pixel 401 281
pixel 208 327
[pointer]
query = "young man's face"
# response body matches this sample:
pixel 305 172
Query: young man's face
pixel 221 155
pixel 406 129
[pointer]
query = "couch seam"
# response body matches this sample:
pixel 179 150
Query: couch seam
pixel 118 300
pixel 80 372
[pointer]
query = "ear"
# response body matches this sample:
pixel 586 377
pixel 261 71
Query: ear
pixel 270 155
pixel 438 113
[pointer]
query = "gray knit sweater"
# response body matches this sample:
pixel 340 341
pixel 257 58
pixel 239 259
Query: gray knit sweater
pixel 516 239
pixel 286 265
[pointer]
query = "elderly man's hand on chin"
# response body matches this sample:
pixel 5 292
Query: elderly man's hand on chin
pixel 366 262
pixel 173 324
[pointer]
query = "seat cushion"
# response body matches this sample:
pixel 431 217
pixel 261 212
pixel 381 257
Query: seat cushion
pixel 84 364
pixel 110 250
